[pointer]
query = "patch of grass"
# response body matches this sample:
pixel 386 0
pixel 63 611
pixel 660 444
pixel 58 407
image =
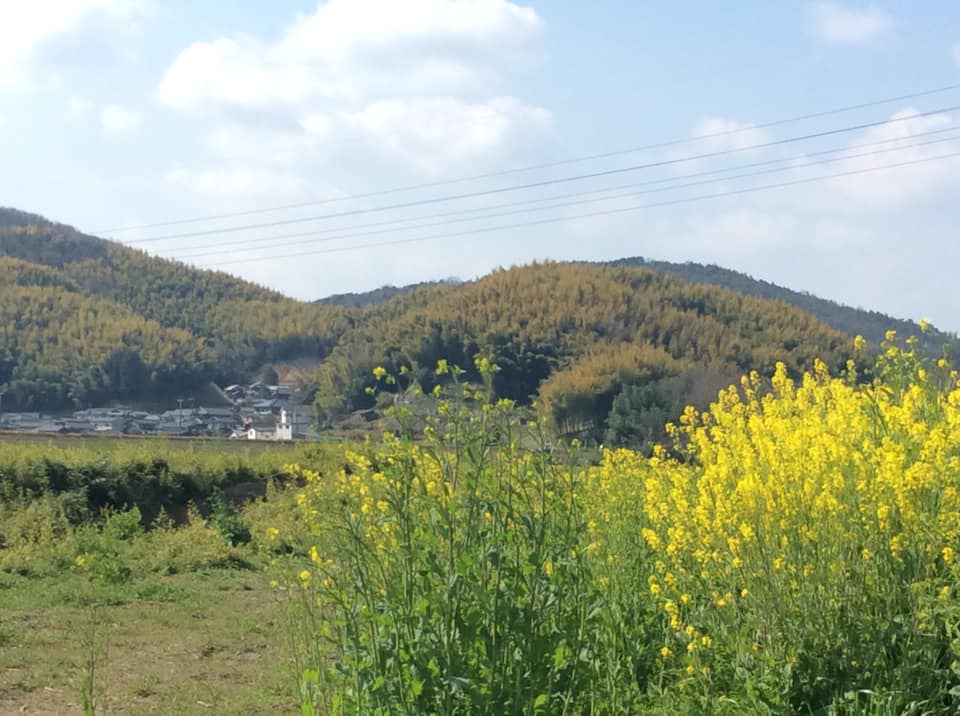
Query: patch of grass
pixel 8 635
pixel 198 643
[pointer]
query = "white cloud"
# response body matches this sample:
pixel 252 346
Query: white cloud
pixel 850 26
pixel 356 49
pixel 26 27
pixel 436 133
pixel 119 120
pixel 925 180
pixel 406 87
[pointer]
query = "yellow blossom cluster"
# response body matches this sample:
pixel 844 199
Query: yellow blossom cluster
pixel 791 496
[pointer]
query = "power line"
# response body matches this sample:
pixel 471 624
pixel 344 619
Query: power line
pixel 568 204
pixel 536 167
pixel 549 182
pixel 608 212
pixel 313 235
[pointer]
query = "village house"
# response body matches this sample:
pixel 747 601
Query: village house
pixel 268 427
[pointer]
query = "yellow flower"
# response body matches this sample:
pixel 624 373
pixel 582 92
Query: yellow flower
pixel 442 367
pixel 81 560
pixel 665 652
pixel 690 670
pixel 859 344
pixel 379 372
pixel 273 532
pixel 305 576
pixel 548 568
pixel 483 365
pixel 890 335
pixel 948 555
pixel 925 325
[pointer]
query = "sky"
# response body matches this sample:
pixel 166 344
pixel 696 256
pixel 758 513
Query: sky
pixel 116 114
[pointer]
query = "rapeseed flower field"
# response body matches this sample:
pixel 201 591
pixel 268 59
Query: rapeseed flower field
pixel 794 550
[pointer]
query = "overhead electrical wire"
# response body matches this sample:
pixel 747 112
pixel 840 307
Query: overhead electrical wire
pixel 550 182
pixel 537 167
pixel 573 217
pixel 270 242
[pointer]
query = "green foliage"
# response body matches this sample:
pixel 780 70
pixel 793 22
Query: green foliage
pixel 639 412
pixel 59 347
pixel 35 538
pixel 453 577
pixel 90 321
pixel 571 335
pixel 228 523
pixel 872 325
pixel 192 546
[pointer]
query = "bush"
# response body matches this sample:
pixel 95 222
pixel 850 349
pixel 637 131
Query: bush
pixel 191 547
pixel 36 537
pixel 228 523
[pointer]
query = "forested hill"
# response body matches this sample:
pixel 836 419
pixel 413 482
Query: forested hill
pixel 578 336
pixel 872 325
pixel 610 351
pixel 84 320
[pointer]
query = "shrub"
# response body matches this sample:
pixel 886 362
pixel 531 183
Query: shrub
pixel 228 523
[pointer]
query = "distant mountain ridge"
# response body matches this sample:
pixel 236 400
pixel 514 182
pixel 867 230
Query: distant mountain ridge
pixel 362 299
pixel 86 321
pixel 872 325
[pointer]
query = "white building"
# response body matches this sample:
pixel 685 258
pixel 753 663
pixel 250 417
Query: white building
pixel 263 429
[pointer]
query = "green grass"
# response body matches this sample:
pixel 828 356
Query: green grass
pixel 208 642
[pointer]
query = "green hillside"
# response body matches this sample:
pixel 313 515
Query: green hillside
pixel 578 335
pixel 872 325
pixel 609 351
pixel 224 327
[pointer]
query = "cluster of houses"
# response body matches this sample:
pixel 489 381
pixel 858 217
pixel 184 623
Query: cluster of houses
pixel 258 412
